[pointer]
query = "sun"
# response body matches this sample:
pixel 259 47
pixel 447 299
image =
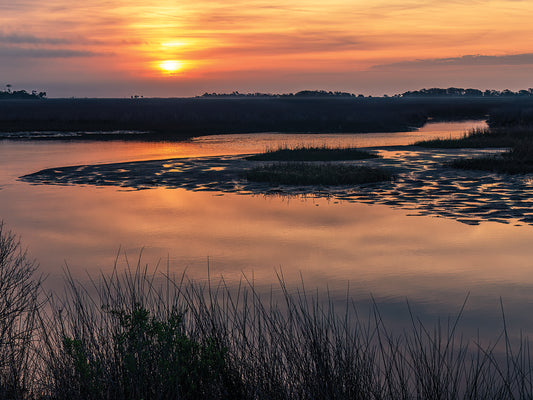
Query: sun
pixel 170 66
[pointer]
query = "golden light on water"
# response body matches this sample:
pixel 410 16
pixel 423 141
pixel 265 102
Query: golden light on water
pixel 170 67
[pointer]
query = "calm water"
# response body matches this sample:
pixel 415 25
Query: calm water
pixel 432 262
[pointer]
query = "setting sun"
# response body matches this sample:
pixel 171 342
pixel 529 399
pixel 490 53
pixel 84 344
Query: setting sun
pixel 170 66
pixel 189 47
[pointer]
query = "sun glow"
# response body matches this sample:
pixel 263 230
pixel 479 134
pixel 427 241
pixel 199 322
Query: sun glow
pixel 170 66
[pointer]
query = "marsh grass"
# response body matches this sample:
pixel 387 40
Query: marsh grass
pixel 517 160
pixel 475 138
pixel 327 174
pixel 312 153
pixel 482 138
pixel 286 344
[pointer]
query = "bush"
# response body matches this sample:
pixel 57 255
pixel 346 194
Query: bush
pixel 125 343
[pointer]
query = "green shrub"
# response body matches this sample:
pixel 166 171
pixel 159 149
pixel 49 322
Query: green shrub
pixel 154 358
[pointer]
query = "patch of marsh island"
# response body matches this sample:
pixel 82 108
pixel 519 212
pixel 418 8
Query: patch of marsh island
pixel 314 165
pixel 312 153
pixel 327 174
pixel 517 160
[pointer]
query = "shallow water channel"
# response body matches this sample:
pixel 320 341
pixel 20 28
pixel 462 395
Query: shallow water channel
pixel 374 249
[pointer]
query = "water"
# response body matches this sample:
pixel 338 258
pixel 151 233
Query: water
pixel 378 250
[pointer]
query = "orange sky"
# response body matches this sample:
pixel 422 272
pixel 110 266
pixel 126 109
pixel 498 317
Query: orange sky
pixel 118 48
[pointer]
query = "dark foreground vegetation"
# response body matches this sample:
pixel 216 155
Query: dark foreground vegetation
pixel 312 153
pixel 134 335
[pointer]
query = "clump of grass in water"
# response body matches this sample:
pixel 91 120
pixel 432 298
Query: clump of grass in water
pixel 317 174
pixel 312 153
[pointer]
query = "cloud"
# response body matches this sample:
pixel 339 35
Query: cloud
pixel 277 44
pixel 46 53
pixel 464 61
pixel 15 38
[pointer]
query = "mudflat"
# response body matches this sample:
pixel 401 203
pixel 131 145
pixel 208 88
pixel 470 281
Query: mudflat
pixel 424 182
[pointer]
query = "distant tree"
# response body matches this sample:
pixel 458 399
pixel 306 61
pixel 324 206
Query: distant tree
pixel 473 92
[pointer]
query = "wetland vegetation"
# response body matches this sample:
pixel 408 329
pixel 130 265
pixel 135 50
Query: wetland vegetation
pixel 179 118
pixel 327 174
pixel 517 160
pixel 312 153
pixel 313 165
pixel 140 334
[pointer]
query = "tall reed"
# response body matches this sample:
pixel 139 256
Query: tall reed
pixel 237 342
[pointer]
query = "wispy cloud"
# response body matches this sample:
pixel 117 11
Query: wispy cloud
pixel 464 61
pixel 274 44
pixel 17 38
pixel 46 53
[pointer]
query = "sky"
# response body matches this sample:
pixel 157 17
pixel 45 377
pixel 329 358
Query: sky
pixel 120 48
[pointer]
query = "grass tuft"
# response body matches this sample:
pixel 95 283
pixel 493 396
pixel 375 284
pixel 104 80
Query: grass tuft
pixel 312 153
pixel 317 174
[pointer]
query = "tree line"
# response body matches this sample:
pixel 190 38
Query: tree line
pixel 453 91
pixel 431 92
pixel 20 94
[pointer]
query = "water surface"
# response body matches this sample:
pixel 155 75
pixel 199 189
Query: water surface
pixel 377 249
